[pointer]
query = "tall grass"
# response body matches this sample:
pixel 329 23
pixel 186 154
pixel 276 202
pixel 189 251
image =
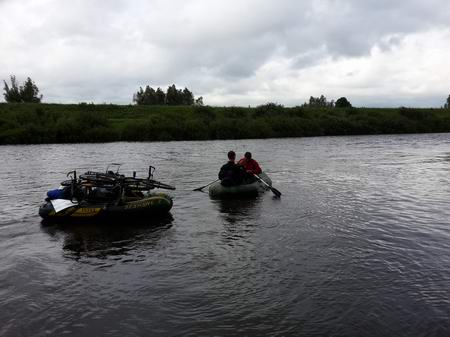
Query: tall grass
pixel 58 123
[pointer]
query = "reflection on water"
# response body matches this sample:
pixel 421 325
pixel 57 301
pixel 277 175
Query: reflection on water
pixel 105 239
pixel 238 217
pixel 235 210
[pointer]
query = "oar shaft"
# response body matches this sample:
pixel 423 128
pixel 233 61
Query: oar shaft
pixel 261 180
pixel 200 188
pixel 273 189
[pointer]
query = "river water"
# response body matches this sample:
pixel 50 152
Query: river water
pixel 358 244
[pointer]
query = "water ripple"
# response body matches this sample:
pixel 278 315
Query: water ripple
pixel 358 245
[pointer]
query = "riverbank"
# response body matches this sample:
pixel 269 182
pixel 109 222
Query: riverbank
pixel 80 123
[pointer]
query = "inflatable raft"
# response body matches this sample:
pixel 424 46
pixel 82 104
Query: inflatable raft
pixel 250 187
pixel 154 204
pixel 107 195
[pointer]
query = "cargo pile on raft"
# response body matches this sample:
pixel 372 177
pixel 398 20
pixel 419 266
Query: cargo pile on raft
pixel 106 195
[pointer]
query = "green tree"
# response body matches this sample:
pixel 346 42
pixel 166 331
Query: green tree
pixel 139 96
pixel 199 101
pixel 145 97
pixel 12 94
pixel 29 92
pixel 174 96
pixel 188 97
pixel 343 103
pixel 160 97
pixel 447 104
pixel 149 96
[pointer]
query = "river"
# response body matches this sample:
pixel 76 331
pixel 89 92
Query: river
pixel 358 244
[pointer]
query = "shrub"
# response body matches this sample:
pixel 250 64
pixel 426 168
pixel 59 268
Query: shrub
pixel 413 113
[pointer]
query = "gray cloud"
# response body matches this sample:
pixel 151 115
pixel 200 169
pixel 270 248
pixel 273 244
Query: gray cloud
pixel 104 50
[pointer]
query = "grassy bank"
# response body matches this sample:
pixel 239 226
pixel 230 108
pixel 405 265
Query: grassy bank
pixel 62 123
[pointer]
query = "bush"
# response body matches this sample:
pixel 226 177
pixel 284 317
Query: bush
pixel 413 113
pixel 205 112
pixel 269 109
pixel 236 112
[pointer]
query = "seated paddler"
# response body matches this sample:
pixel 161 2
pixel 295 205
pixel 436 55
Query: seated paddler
pixel 231 174
pixel 250 165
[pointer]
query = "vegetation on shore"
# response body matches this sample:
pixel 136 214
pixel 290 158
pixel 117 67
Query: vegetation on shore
pixel 35 123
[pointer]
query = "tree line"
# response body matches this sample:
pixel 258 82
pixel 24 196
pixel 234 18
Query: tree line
pixel 322 102
pixel 172 96
pixel 28 92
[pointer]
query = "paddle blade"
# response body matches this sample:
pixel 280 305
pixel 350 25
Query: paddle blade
pixel 275 191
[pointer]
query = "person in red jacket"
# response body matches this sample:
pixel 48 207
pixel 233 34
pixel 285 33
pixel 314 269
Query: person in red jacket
pixel 250 165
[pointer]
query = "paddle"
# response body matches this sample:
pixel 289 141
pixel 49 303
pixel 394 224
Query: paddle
pixel 200 188
pixel 273 189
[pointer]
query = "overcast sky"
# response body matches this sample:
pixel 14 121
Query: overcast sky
pixel 233 52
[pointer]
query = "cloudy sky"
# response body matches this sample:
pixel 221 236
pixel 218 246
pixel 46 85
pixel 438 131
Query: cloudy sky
pixel 235 52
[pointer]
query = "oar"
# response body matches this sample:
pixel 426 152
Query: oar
pixel 159 184
pixel 273 189
pixel 200 188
